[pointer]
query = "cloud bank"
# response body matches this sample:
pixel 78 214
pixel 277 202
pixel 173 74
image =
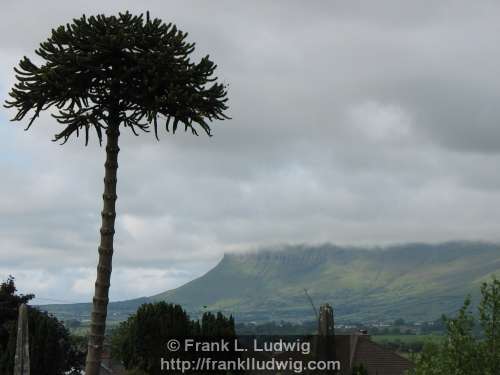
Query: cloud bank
pixel 354 123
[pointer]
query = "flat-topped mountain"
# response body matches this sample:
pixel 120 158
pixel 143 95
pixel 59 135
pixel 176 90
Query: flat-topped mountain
pixel 412 281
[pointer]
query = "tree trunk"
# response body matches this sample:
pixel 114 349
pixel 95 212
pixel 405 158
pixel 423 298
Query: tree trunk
pixel 100 301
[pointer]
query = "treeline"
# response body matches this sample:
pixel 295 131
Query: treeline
pixel 400 346
pixel 140 341
pixel 52 350
pixel 472 343
pixel 398 327
pixel 277 328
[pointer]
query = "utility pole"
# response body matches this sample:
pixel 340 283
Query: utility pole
pixel 22 359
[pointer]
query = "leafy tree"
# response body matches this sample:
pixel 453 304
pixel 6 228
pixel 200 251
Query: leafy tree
pixel 430 361
pixel 9 306
pixel 460 352
pixel 52 351
pixel 103 72
pixel 215 325
pixel 140 341
pixel 489 317
pixel 463 352
pixel 10 301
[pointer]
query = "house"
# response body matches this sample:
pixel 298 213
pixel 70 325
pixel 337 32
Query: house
pixel 353 350
pixel 358 349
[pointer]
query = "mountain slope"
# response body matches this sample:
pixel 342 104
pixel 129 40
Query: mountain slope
pixel 413 281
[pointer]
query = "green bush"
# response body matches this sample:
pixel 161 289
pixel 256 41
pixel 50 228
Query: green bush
pixel 462 352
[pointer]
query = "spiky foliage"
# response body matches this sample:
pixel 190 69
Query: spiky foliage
pixel 136 66
pixel 104 72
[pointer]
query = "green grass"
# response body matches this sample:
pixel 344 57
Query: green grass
pixel 84 328
pixel 408 339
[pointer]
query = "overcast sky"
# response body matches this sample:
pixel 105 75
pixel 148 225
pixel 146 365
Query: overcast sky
pixel 353 122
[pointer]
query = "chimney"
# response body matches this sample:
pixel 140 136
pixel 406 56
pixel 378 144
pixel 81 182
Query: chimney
pixel 325 320
pixel 326 333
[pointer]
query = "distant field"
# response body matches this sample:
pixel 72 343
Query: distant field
pixel 84 328
pixel 409 346
pixel 407 339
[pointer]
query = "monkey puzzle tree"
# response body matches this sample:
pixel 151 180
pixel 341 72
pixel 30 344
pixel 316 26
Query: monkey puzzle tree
pixel 104 72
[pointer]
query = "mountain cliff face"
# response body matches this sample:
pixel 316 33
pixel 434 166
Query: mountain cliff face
pixel 412 281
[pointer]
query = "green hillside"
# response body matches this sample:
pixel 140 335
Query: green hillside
pixel 413 281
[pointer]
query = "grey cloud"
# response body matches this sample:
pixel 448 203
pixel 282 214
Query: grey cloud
pixel 355 122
